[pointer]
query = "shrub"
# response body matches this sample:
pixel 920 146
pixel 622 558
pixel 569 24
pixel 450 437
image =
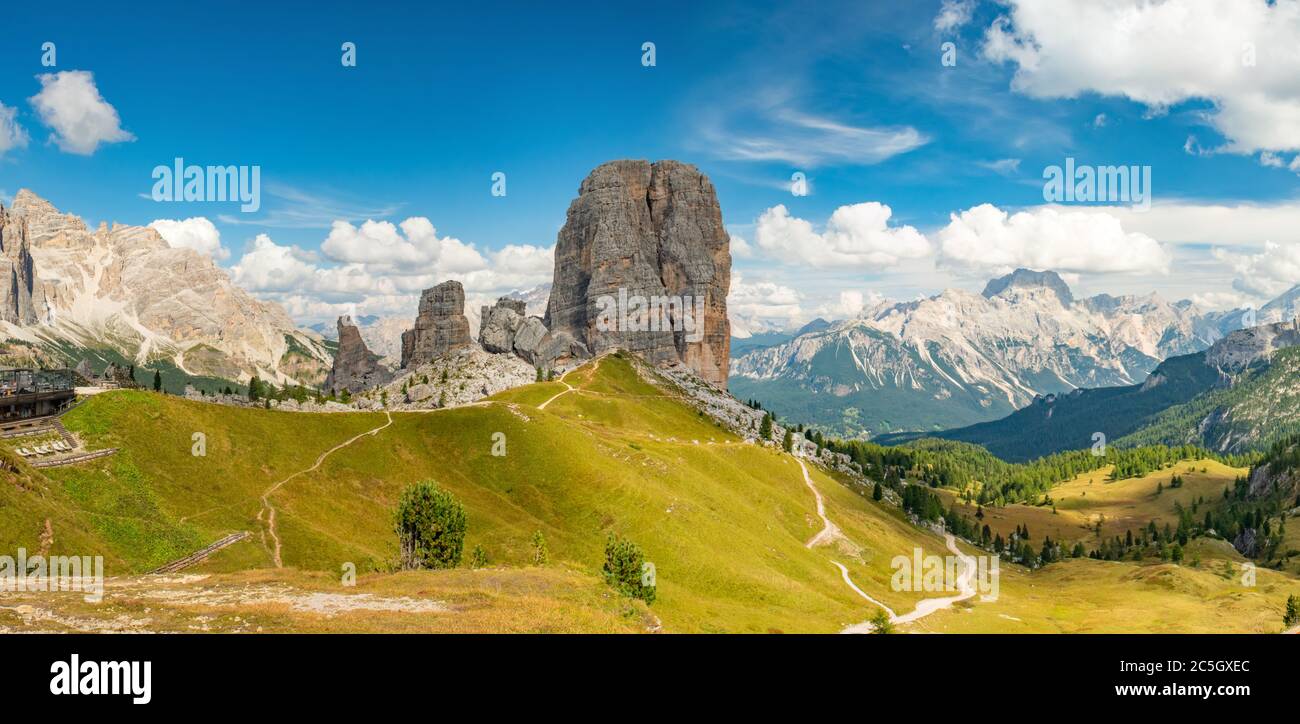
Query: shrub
pixel 478 558
pixel 625 569
pixel 430 526
pixel 540 553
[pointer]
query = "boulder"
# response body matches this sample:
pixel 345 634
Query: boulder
pixel 528 340
pixel 499 323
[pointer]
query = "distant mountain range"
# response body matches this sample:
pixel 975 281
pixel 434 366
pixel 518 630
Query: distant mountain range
pixel 959 358
pixel 1243 393
pixel 121 294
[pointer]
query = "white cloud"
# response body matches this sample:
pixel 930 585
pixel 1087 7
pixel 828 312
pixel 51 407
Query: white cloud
pixel 1270 159
pixel 1243 56
pixel 987 238
pixel 855 236
pixel 850 304
pixel 761 306
pixel 12 135
pixel 953 14
pixel 1004 166
pixel 195 233
pixel 770 126
pixel 70 104
pixel 380 268
pixel 1219 224
pixel 1267 273
pixel 1221 300
pixel 740 249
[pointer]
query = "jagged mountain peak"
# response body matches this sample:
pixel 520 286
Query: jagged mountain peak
pixel 124 292
pixel 1029 279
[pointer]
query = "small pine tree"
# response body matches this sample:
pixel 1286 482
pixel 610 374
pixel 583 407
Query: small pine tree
pixel 765 429
pixel 878 492
pixel 880 623
pixel 254 389
pixel 430 525
pixel 624 569
pixel 1292 615
pixel 788 443
pixel 539 375
pixel 541 555
pixel 157 381
pixel 478 558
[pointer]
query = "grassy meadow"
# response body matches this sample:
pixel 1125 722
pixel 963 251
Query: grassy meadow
pixel 724 522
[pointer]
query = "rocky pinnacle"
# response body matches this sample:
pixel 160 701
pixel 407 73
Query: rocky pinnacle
pixel 639 232
pixel 440 326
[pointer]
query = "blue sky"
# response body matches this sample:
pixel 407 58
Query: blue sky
pixel 854 95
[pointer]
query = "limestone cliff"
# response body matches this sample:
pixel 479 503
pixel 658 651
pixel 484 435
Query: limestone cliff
pixel 643 263
pixel 440 326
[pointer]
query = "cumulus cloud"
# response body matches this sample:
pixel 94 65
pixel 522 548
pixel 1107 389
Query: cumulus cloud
pixel 70 104
pixel 195 233
pixel 953 14
pixel 986 238
pixel 858 235
pixel 761 306
pixel 1265 274
pixel 12 135
pixel 1243 56
pixel 1221 300
pixel 1234 224
pixel 740 249
pixel 380 268
pixel 850 304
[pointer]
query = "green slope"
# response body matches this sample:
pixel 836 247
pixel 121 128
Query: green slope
pixel 724 522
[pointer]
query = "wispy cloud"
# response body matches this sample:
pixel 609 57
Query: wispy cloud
pixel 772 127
pixel 295 208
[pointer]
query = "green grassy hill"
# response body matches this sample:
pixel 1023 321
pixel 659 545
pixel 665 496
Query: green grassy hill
pixel 725 523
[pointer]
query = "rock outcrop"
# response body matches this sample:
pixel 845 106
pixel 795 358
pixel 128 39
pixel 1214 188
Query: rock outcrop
pixel 504 327
pixel 643 263
pixel 355 367
pixel 499 323
pixel 22 299
pixel 440 326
